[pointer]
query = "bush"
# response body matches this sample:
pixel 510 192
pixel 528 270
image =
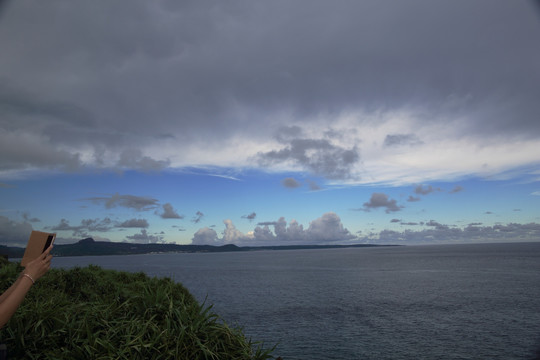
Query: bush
pixel 92 313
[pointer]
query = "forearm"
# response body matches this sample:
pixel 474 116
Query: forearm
pixel 14 298
pixel 16 293
pixel 6 293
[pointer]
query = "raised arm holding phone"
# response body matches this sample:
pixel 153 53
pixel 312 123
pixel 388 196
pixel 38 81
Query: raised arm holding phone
pixel 13 297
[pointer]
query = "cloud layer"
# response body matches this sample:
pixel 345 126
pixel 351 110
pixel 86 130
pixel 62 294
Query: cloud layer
pixel 327 229
pixel 445 234
pixel 367 91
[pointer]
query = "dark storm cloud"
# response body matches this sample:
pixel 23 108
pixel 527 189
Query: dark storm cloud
pixel 20 152
pixel 134 223
pixel 287 133
pixel 101 225
pixel 267 223
pixel 290 183
pixel 425 189
pixel 250 216
pixel 139 203
pixel 86 89
pixel 13 233
pixel 401 139
pixel 198 217
pixel 63 225
pixel 437 225
pixel 456 189
pixel 445 234
pixel 30 109
pixel 145 238
pixel 33 128
pixel 169 212
pixel 86 227
pixel 318 156
pixel 380 200
pixel 26 216
pixel 134 159
pixel 313 186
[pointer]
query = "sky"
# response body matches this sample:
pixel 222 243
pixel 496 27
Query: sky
pixel 270 122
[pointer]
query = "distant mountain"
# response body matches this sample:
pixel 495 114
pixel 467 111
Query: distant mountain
pixel 89 247
pixel 11 251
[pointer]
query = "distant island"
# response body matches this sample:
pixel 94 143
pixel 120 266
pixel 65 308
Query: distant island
pixel 90 247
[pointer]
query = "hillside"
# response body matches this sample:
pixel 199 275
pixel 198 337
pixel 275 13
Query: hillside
pixel 92 313
pixel 89 247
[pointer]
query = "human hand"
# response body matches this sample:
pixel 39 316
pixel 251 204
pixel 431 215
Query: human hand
pixel 40 265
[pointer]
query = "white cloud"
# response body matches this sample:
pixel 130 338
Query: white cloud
pixel 205 236
pixel 231 235
pixel 294 232
pixel 324 230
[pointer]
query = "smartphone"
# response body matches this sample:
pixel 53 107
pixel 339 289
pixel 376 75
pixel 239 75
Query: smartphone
pixel 48 243
pixel 39 242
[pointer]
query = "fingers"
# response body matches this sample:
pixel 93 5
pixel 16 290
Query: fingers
pixel 47 251
pixel 39 266
pixel 46 256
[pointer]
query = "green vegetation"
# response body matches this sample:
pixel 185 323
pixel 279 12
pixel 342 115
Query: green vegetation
pixel 92 313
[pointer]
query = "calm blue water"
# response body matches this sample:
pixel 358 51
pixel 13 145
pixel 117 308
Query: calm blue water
pixel 415 302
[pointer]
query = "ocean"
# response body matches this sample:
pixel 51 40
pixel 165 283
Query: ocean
pixel 473 301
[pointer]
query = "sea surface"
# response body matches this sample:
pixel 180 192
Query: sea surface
pixel 474 301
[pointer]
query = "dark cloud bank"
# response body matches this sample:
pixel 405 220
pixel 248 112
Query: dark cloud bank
pixel 82 92
pixel 444 234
